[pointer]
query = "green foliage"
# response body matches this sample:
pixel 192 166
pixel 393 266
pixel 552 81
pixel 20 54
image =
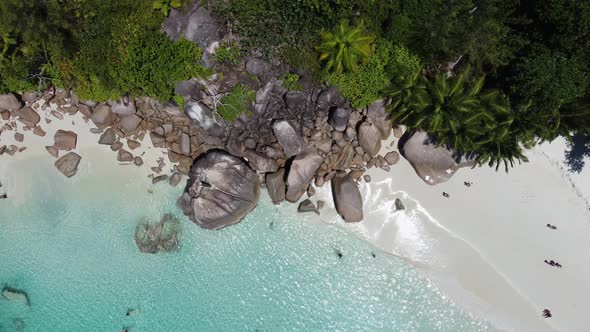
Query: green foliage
pixel 462 116
pixel 179 101
pixel 228 53
pixel 369 82
pixel 164 6
pixel 236 102
pixel 152 65
pixel 346 48
pixel 291 82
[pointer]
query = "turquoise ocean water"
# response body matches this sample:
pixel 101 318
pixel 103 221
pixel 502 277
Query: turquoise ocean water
pixel 71 248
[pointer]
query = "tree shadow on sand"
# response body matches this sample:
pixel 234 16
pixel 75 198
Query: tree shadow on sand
pixel 578 149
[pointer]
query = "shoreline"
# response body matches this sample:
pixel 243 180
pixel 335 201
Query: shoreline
pixel 488 261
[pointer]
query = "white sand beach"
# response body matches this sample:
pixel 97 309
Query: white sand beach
pixel 484 246
pixel 97 160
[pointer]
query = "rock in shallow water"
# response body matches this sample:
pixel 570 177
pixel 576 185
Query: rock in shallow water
pixel 16 295
pixel 161 236
pixel 347 198
pixel 220 191
pixel 68 164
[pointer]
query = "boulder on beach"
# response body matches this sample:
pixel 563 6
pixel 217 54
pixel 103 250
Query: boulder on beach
pixel 52 151
pixel 275 185
pixel 288 137
pixel 339 118
pixel 161 236
pixel 65 140
pixel 27 115
pixel 68 164
pixel 103 116
pixel 301 173
pixel 369 138
pixel 16 295
pixel 433 164
pixel 220 191
pixel 203 116
pixel 108 137
pixel 125 106
pixel 9 102
pixel 260 162
pixel 195 24
pixel 347 198
pixel 124 156
pixel 128 123
pixel 380 118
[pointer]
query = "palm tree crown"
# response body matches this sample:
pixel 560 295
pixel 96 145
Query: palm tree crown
pixel 345 48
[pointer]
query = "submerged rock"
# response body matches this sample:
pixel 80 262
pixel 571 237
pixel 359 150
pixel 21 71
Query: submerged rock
pixel 307 206
pixel 16 295
pixel 433 164
pixel 220 191
pixel 347 198
pixel 161 236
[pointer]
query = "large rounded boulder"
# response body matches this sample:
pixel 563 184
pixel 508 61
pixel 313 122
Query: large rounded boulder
pixel 433 164
pixel 220 191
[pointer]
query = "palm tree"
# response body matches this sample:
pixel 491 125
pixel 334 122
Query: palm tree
pixel 165 5
pixel 460 116
pixel 345 48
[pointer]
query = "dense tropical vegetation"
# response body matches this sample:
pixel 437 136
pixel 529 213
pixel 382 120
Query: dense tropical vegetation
pixel 429 57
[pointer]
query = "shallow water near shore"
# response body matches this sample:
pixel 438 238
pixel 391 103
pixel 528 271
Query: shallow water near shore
pixel 69 244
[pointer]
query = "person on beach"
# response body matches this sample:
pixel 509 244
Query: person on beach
pixel 467 183
pixel 446 195
pixel 546 313
pixel 551 227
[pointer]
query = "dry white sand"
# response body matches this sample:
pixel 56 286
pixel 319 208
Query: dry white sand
pixel 484 246
pixel 97 160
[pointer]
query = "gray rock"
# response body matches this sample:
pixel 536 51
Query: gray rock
pixel 158 141
pixel 129 123
pixel 310 191
pixel 329 98
pixel 185 144
pixel 137 161
pixel 195 24
pixel 301 173
pixel 369 138
pixel 68 164
pixel 161 236
pixel 16 295
pixel 2 149
pixel 380 118
pixel 275 184
pixel 116 146
pixel 124 156
pixel 52 151
pixel 392 158
pixel 103 116
pixel 19 137
pixel 288 137
pixel 260 162
pixel 5 115
pixel 160 178
pixel 320 204
pixel 347 198
pixel 108 137
pixel 85 110
pixel 175 179
pixel 307 206
pixel 295 99
pixel 203 116
pixel 65 140
pixel 339 118
pixel 188 90
pixel 433 164
pixel 257 67
pixel 27 115
pixel 399 205
pixel 125 106
pixel 220 191
pixel 398 131
pixel 9 102
pixel 343 159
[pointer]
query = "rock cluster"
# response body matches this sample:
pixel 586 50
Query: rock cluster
pixel 161 236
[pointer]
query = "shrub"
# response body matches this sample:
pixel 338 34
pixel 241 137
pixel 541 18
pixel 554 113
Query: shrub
pixel 227 53
pixel 152 65
pixel 236 102
pixel 291 82
pixel 373 78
